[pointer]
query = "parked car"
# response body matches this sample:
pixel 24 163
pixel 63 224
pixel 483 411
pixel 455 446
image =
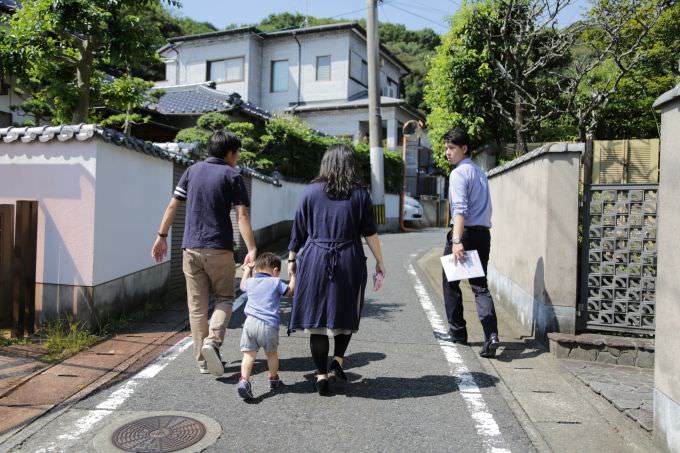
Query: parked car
pixel 413 210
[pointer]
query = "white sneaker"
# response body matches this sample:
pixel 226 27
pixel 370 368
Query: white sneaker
pixel 203 369
pixel 212 359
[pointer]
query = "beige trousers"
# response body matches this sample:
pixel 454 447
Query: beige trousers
pixel 206 271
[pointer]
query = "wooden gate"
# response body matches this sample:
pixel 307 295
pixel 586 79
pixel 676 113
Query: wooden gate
pixel 25 245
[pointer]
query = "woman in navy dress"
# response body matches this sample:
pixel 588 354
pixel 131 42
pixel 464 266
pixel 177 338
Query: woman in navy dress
pixel 334 213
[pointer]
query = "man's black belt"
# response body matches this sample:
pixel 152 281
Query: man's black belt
pixel 476 227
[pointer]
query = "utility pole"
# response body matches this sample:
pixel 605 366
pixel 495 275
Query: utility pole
pixel 374 118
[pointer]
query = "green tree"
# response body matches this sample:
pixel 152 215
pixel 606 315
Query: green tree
pixel 629 113
pixel 59 51
pixel 460 84
pixel 623 43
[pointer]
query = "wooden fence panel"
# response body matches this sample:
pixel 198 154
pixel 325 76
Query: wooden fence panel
pixel 25 245
pixel 6 259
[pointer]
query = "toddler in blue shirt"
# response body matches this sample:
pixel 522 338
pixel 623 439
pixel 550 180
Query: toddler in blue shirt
pixel 261 329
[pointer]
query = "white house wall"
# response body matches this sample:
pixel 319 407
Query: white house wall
pixel 336 122
pixel 255 72
pixel 193 58
pixel 273 50
pixel 61 177
pixel 133 190
pixel 313 46
pixel 387 68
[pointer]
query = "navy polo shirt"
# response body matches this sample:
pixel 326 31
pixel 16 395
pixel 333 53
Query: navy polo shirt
pixel 210 188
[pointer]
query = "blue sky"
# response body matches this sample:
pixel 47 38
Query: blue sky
pixel 415 14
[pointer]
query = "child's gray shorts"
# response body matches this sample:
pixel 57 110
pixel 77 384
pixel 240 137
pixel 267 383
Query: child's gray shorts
pixel 256 334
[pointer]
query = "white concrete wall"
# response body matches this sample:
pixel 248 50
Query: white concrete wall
pixel 133 190
pixel 534 250
pixel 271 204
pixel 392 206
pixel 667 366
pixel 61 177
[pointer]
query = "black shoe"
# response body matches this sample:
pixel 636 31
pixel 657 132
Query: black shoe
pixel 460 341
pixel 321 386
pixel 337 371
pixel 489 347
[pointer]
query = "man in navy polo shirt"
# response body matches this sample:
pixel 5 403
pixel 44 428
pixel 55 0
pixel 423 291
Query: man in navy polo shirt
pixel 210 188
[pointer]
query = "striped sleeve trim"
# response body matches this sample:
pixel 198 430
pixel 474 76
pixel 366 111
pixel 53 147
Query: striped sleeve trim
pixel 180 193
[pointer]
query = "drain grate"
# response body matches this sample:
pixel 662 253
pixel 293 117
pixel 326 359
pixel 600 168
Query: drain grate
pixel 158 434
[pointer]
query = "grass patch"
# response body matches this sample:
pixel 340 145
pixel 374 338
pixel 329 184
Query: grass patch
pixel 6 340
pixel 66 338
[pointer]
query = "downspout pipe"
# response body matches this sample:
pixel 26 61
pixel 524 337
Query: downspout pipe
pixel 299 80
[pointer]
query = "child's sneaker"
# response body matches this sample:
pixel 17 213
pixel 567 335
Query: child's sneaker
pixel 274 382
pixel 245 390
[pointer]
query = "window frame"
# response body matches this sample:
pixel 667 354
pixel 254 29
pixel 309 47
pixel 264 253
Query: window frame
pixel 208 69
pixel 364 64
pixel 329 68
pixel 271 76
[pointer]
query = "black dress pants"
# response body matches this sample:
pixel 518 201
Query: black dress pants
pixel 480 240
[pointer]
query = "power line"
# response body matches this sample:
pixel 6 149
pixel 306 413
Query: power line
pixel 439 24
pixel 426 7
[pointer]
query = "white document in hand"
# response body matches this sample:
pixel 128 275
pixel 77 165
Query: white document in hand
pixel 470 267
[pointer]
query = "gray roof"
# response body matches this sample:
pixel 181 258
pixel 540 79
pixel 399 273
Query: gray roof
pixel 84 132
pixel 668 96
pixel 197 99
pixel 186 149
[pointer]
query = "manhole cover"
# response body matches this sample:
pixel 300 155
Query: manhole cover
pixel 158 434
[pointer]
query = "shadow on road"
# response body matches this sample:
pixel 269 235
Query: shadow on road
pixel 380 388
pixel 379 311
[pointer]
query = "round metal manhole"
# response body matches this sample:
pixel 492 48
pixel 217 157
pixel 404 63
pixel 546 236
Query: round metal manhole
pixel 158 434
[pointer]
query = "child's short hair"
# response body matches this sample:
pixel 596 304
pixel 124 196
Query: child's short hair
pixel 268 260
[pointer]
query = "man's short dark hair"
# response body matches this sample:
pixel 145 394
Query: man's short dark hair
pixel 268 260
pixel 458 136
pixel 223 142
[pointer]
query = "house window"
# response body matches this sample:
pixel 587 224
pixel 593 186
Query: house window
pixel 279 81
pixel 392 88
pixel 4 87
pixel 358 69
pixel 229 70
pixel 323 67
pixel 5 119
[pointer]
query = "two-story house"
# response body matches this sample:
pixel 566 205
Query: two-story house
pixel 318 73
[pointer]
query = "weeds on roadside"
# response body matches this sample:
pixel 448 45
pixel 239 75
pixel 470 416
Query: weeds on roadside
pixel 65 338
pixel 5 341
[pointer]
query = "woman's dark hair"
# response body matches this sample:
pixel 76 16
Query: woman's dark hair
pixel 339 171
pixel 223 142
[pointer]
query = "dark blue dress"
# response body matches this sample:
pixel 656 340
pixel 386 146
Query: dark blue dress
pixel 332 274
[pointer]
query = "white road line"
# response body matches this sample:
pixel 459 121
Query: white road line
pixel 117 398
pixel 485 424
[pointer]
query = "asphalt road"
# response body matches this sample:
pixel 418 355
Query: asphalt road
pixel 408 390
